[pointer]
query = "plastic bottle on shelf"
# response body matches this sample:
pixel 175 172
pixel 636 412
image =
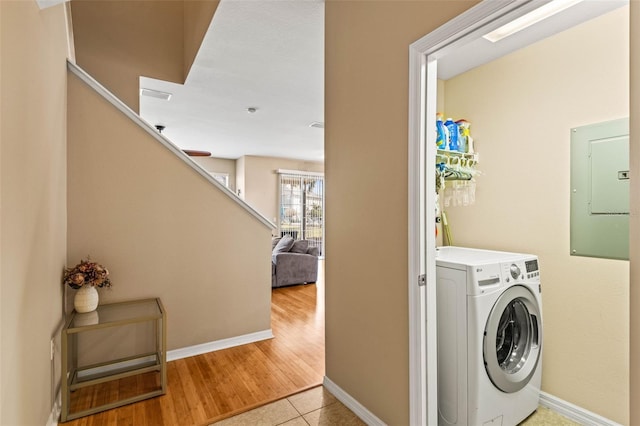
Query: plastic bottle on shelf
pixel 470 147
pixel 465 134
pixel 454 134
pixel 442 136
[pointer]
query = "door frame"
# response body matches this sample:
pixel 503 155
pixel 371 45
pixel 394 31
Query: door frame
pixel 423 62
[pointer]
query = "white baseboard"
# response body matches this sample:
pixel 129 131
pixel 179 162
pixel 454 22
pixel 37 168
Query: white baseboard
pixel 365 415
pixel 55 411
pixel 200 349
pixel 573 412
pixel 217 345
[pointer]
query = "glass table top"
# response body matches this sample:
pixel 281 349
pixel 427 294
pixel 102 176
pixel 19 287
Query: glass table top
pixel 117 313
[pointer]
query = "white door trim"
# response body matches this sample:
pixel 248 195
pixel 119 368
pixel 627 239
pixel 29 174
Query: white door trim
pixel 423 54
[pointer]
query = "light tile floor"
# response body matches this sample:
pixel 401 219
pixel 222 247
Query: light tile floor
pixel 546 417
pixel 317 407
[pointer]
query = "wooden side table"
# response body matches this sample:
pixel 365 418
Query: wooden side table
pixel 112 315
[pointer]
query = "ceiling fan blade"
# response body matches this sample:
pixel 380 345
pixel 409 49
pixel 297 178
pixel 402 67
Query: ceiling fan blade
pixel 194 153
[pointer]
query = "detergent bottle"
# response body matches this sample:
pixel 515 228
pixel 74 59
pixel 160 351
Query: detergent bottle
pixel 465 134
pixel 454 134
pixel 442 136
pixel 467 130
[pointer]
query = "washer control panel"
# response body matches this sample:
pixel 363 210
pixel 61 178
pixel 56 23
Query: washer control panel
pixel 520 270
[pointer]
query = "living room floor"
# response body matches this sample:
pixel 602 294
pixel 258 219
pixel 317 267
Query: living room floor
pixel 217 385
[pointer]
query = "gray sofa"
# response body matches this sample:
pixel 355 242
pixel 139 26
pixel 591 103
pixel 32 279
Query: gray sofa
pixel 293 262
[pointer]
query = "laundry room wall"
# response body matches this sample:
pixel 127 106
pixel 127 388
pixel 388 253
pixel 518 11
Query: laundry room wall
pixel 522 108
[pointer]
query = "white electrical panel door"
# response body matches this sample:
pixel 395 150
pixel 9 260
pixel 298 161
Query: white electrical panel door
pixel 600 190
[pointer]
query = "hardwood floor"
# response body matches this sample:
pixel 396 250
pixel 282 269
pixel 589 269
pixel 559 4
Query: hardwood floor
pixel 210 387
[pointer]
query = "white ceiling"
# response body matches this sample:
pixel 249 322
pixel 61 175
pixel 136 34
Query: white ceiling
pixel 263 54
pixel 270 55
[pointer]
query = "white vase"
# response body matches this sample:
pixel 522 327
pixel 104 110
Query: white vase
pixel 86 299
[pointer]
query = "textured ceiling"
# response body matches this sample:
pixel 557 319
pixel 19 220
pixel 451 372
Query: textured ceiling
pixel 263 54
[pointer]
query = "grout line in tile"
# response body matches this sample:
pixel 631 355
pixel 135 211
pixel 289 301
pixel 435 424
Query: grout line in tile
pixel 294 407
pixel 295 418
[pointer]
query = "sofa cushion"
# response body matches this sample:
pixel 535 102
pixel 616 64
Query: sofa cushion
pixel 284 245
pixel 300 246
pixel 274 242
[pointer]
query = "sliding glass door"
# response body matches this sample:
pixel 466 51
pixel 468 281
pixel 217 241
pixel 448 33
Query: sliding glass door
pixel 301 197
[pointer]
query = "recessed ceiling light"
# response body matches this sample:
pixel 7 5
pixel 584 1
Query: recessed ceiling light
pixel 155 94
pixel 535 16
pixel 317 125
pixel 252 110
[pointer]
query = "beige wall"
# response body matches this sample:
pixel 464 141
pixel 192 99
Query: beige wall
pixel 161 228
pixel 240 177
pixel 219 165
pixel 260 181
pixel 634 241
pixel 119 41
pixel 197 18
pixel 33 199
pixel 522 108
pixel 366 111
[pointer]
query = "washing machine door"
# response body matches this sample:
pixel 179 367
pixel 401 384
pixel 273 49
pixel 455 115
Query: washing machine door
pixel 512 339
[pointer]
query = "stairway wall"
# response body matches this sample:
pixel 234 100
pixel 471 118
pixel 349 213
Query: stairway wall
pixel 161 228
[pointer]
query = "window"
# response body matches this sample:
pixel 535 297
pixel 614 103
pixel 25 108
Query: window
pixel 301 207
pixel 223 178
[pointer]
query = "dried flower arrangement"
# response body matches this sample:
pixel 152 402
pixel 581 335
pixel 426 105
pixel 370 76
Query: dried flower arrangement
pixel 87 272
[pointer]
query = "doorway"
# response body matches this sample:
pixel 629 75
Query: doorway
pixel 426 57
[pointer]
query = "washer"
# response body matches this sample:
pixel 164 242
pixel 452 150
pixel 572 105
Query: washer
pixel 489 336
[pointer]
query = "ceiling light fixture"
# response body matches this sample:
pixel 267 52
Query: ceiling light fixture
pixel 536 15
pixel 155 94
pixel 252 110
pixel 317 125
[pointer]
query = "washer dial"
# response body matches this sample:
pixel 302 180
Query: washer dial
pixel 515 271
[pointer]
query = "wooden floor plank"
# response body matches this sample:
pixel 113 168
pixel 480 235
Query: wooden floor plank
pixel 217 385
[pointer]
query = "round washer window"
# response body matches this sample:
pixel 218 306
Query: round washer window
pixel 512 339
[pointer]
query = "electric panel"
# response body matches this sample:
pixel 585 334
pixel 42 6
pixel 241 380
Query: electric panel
pixel 600 190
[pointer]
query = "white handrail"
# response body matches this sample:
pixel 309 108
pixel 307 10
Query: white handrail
pixel 113 100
